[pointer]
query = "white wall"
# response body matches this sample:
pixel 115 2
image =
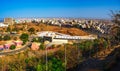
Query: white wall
pixel 59 41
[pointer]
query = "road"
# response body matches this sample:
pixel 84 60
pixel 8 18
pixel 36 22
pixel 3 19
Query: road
pixel 18 50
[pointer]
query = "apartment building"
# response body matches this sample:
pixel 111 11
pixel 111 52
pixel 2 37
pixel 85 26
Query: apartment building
pixel 8 21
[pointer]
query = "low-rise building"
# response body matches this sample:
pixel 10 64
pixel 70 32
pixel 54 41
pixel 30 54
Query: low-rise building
pixel 7 46
pixel 18 43
pixel 1 47
pixel 3 25
pixel 35 46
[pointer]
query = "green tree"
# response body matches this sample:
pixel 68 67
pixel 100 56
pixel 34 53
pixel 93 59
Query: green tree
pixel 12 47
pixel 39 39
pixel 31 30
pixel 8 29
pixel 81 46
pixel 96 46
pixel 1 38
pixel 55 64
pixel 40 67
pixel 6 37
pixel 105 44
pixel 24 37
pixel 42 46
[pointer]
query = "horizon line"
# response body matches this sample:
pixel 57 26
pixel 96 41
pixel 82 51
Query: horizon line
pixel 61 17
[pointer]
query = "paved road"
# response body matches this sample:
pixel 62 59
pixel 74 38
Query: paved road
pixel 16 51
pixel 19 50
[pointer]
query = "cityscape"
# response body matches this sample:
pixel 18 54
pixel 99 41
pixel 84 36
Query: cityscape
pixel 60 35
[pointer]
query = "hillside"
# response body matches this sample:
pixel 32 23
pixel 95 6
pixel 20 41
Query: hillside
pixel 70 31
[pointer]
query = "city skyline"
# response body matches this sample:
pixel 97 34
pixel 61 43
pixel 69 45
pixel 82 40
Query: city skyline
pixel 59 8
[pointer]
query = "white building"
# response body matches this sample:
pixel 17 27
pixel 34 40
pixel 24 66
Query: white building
pixel 3 25
pixel 59 37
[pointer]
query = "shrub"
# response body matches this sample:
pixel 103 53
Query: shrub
pixel 6 37
pixel 42 47
pixel 1 38
pixel 24 37
pixel 31 30
pixel 12 47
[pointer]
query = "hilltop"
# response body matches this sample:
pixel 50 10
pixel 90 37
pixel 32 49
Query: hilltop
pixel 44 27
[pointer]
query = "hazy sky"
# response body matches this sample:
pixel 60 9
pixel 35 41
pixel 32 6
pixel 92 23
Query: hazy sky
pixel 58 8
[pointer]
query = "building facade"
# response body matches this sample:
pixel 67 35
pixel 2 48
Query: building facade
pixel 9 21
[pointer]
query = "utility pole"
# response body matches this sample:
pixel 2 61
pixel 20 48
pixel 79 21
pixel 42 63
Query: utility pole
pixel 65 57
pixel 46 60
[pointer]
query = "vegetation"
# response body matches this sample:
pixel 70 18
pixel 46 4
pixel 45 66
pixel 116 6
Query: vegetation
pixel 1 38
pixel 6 37
pixel 8 29
pixel 24 37
pixel 15 29
pixel 89 48
pixel 12 47
pixel 116 17
pixel 42 46
pixel 26 63
pixel 15 38
pixel 31 30
pixel 113 63
pixel 73 55
pixel 115 30
pixel 40 67
pixel 55 64
pixel 39 39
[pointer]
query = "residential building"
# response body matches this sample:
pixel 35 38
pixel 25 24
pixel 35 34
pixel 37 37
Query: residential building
pixel 8 21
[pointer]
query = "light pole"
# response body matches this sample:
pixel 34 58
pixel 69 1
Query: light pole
pixel 78 53
pixel 65 57
pixel 46 59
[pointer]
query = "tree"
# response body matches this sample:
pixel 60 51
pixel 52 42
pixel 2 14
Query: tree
pixel 96 46
pixel 6 37
pixel 33 21
pixel 42 46
pixel 1 38
pixel 12 47
pixel 116 17
pixel 105 44
pixel 8 29
pixel 31 30
pixel 15 38
pixel 15 29
pixel 115 30
pixel 40 67
pixel 39 39
pixel 24 37
pixel 55 64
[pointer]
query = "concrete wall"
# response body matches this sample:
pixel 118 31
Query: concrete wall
pixel 59 40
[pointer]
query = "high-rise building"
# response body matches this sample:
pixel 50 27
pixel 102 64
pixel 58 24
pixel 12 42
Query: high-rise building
pixel 8 21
